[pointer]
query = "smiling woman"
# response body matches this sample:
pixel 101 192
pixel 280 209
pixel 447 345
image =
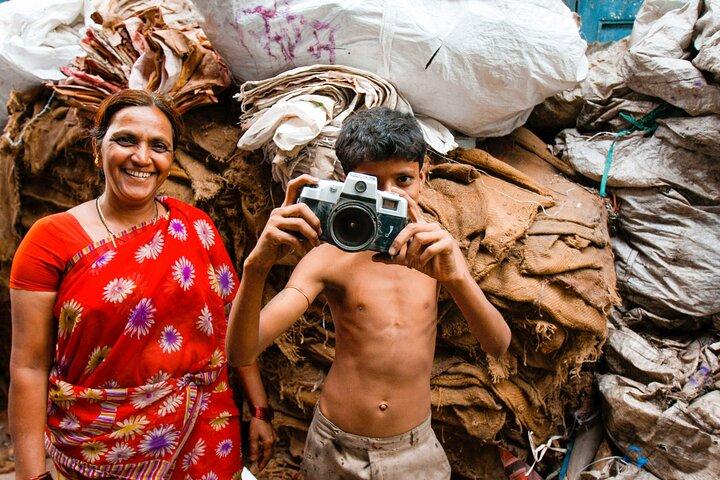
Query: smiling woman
pixel 118 310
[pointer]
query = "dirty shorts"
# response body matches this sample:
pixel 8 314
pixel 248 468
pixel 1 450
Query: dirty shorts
pixel 331 453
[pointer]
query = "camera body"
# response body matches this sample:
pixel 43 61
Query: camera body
pixel 354 214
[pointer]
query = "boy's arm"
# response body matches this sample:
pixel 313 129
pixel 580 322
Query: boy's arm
pixel 285 308
pixel 290 227
pixel 486 324
pixel 430 249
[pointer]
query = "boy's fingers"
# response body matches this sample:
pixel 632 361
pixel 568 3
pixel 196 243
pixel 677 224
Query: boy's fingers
pixel 280 237
pixel 267 453
pixel 299 225
pixel 420 240
pixel 299 210
pixel 295 185
pixel 433 250
pixel 406 234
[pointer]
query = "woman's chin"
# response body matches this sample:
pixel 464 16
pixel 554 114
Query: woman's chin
pixel 136 195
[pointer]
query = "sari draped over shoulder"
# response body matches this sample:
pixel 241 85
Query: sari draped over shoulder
pixel 138 388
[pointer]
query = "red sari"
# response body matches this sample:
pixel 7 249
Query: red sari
pixel 138 388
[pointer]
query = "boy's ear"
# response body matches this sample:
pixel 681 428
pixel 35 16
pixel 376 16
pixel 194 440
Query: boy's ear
pixel 424 171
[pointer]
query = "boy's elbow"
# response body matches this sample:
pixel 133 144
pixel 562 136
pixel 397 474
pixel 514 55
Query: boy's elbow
pixel 501 344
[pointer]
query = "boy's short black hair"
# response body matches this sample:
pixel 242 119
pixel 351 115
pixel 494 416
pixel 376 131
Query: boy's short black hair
pixel 379 134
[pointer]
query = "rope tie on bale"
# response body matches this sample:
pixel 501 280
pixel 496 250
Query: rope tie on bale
pixel 647 124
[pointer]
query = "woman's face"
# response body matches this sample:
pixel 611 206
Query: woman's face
pixel 136 154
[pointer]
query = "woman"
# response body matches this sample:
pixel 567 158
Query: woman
pixel 120 302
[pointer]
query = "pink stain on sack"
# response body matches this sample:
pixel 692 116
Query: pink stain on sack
pixel 283 31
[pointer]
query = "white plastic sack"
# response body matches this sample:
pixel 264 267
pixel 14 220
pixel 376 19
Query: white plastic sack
pixel 477 66
pixel 37 38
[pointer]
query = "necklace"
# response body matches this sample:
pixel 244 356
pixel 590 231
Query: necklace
pixel 102 219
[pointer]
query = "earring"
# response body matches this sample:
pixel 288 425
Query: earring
pixel 97 161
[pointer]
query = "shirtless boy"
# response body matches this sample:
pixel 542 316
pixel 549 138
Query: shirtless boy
pixel 373 417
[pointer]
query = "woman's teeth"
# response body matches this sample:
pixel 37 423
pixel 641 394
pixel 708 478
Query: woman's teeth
pixel 138 174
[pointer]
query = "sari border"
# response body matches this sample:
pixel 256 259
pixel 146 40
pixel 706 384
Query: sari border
pixel 100 243
pixel 148 470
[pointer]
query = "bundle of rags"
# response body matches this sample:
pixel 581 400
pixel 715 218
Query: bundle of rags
pixel 296 117
pixel 538 245
pixel 142 51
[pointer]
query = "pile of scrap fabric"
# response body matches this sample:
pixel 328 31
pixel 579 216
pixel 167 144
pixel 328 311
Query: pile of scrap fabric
pixel 649 115
pixel 536 242
pixel 296 117
pixel 538 245
pixel 142 51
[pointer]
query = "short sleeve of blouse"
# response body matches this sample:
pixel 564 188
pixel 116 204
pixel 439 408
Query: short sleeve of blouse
pixel 40 260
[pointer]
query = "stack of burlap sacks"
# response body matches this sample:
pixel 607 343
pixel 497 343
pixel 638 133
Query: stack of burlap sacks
pixel 661 390
pixel 536 242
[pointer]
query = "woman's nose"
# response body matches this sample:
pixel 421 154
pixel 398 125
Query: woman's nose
pixel 142 154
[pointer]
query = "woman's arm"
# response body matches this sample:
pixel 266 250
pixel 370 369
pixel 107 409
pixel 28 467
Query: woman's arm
pixel 30 359
pixel 262 435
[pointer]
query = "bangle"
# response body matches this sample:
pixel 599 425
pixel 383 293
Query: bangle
pixel 261 413
pixel 43 476
pixel 301 293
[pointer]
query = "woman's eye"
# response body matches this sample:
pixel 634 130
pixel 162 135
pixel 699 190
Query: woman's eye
pixel 160 147
pixel 124 141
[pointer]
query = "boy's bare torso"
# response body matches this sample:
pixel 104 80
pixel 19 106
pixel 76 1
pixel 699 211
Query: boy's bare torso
pixel 385 326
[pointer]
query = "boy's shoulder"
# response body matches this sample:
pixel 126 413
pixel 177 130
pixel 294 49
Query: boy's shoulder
pixel 321 258
pixel 328 262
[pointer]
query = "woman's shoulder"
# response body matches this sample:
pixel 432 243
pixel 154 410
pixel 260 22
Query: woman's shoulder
pixel 55 222
pixel 44 251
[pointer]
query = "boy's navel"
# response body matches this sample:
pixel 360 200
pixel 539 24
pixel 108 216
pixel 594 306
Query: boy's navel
pixel 383 406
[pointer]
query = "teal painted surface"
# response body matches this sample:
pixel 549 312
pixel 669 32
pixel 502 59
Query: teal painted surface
pixel 605 20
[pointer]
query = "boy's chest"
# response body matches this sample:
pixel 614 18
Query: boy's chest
pixel 364 285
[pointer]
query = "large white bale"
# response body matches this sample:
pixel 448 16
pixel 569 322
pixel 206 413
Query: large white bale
pixel 477 66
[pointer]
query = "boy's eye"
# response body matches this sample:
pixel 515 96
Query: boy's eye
pixel 404 179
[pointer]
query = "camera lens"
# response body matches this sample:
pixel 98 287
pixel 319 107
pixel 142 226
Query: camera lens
pixel 352 226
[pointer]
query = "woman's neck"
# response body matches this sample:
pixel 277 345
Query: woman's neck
pixel 125 215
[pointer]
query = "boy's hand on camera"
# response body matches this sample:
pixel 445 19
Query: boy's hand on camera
pixel 291 227
pixel 430 249
pixel 426 247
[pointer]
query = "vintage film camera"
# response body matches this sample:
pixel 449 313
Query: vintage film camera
pixel 354 214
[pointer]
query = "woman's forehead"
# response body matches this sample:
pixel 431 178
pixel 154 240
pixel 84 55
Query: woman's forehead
pixel 141 118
